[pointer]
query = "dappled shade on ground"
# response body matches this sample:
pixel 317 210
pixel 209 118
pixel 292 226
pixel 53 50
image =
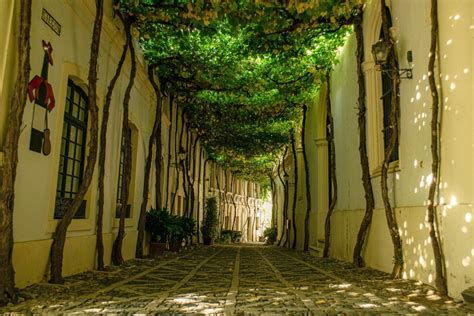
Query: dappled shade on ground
pixel 234 279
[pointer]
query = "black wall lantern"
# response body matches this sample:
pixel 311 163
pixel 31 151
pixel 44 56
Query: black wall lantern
pixel 381 51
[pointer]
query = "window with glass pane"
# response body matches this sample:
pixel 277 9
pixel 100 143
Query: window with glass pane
pixel 73 147
pixel 120 177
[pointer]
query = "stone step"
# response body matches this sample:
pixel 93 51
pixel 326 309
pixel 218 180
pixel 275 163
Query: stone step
pixel 316 251
pixel 468 295
pixel 321 242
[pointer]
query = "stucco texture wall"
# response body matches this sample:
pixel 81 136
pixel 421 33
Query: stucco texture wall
pixel 410 177
pixel 35 187
pixel 409 182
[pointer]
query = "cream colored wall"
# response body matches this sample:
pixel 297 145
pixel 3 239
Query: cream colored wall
pixel 417 250
pixel 37 174
pixel 408 185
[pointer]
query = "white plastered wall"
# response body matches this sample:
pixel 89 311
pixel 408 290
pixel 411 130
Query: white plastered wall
pixel 37 174
pixel 409 183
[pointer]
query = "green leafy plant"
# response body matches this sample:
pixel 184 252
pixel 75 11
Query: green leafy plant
pixel 210 223
pixel 242 68
pixel 270 234
pixel 228 236
pixel 175 229
pixel 188 225
pixel 163 226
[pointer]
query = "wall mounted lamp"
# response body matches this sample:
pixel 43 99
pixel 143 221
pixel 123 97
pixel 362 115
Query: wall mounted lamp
pixel 381 51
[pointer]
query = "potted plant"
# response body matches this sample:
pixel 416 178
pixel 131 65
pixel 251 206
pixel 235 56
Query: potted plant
pixel 175 231
pixel 230 236
pixel 156 224
pixel 209 225
pixel 270 234
pixel 189 228
pixel 226 237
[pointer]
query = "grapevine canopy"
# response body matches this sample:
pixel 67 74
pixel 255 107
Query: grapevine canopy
pixel 242 69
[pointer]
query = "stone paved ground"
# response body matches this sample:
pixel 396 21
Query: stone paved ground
pixel 235 280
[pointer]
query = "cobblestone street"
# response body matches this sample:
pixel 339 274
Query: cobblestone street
pixel 235 280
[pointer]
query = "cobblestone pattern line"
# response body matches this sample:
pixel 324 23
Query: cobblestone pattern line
pixel 366 290
pixel 261 291
pixel 239 279
pixel 153 305
pixel 307 302
pixel 83 299
pixel 234 287
pixel 152 289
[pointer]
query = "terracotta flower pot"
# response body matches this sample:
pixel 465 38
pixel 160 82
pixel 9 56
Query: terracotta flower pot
pixel 175 246
pixel 208 241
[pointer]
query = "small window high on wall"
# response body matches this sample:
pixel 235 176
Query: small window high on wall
pixel 73 151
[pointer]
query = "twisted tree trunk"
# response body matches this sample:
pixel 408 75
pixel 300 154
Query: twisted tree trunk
pixel 204 174
pixel 284 182
pixel 103 150
pixel 295 188
pixel 59 236
pixel 10 158
pixel 220 199
pixel 274 200
pixel 233 180
pixel 117 258
pixel 168 165
pixel 224 209
pixel 190 178
pixel 389 212
pixel 146 180
pixel 332 163
pixel 364 160
pixel 186 175
pixel 158 149
pixel 440 268
pixel 199 192
pixel 177 158
pixel 308 187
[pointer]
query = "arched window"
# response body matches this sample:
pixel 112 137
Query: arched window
pixel 379 95
pixel 133 160
pixel 120 177
pixel 73 150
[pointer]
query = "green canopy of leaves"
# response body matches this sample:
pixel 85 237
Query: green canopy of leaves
pixel 242 69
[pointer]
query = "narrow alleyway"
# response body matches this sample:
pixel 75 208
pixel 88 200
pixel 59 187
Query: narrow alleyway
pixel 234 279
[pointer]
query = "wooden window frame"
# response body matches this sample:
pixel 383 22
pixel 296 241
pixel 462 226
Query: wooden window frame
pixel 75 118
pixel 119 182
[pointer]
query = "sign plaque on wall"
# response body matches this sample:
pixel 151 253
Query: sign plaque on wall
pixel 51 22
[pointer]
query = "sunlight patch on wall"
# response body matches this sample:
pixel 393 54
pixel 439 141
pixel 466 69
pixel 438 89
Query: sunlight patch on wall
pixel 466 261
pixel 422 261
pixel 468 217
pixel 453 201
